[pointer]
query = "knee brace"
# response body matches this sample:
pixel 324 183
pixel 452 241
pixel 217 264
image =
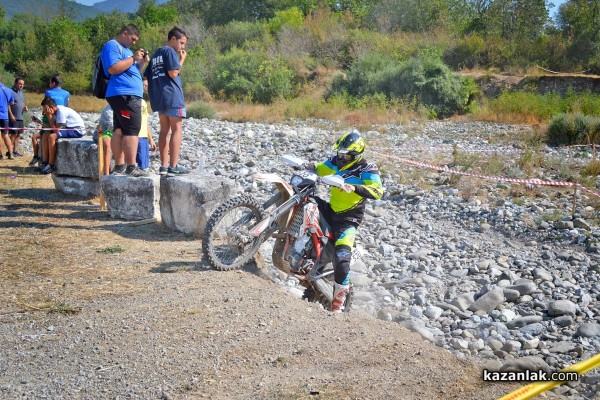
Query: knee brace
pixel 341 264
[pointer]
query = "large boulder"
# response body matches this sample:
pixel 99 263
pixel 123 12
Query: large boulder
pixel 75 186
pixel 131 198
pixel 186 202
pixel 77 157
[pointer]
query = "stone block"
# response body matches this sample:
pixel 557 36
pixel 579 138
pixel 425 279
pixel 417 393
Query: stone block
pixel 131 198
pixel 75 186
pixel 77 157
pixel 186 202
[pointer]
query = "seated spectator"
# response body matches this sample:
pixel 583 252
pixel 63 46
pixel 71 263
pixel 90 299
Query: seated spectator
pixel 145 143
pixel 61 97
pixel 64 123
pixel 35 138
pixel 104 130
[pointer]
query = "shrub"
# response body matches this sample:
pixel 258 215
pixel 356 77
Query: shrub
pixel 291 17
pixel 236 33
pixel 251 76
pixel 199 110
pixel 426 81
pixel 568 129
pixel 467 53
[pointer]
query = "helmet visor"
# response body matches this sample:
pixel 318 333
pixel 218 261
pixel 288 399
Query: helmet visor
pixel 343 155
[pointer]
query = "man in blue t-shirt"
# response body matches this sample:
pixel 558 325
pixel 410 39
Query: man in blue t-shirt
pixel 124 94
pixel 6 99
pixel 166 97
pixel 56 92
pixel 61 97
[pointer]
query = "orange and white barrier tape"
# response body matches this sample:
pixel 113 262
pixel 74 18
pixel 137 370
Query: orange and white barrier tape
pixel 533 182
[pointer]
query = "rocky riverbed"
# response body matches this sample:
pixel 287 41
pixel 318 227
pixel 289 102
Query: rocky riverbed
pixel 511 280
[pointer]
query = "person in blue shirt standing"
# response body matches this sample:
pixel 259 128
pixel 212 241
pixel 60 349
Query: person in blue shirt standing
pixel 56 92
pixel 6 100
pixel 166 97
pixel 124 94
pixel 61 97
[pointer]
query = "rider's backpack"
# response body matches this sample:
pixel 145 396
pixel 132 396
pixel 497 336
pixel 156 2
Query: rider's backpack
pixel 99 80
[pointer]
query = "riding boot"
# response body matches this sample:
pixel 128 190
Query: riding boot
pixel 339 297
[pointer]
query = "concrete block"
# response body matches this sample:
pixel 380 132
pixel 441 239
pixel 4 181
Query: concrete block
pixel 131 198
pixel 77 157
pixel 186 202
pixel 75 186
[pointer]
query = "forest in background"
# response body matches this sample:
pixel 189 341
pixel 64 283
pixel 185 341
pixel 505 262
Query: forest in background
pixel 377 53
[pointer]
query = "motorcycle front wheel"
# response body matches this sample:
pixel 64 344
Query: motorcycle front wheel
pixel 227 243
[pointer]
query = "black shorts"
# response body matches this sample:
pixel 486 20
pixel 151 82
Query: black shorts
pixel 127 114
pixel 3 126
pixel 19 124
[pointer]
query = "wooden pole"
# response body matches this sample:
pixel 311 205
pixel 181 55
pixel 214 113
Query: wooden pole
pixel 101 168
pixel 574 201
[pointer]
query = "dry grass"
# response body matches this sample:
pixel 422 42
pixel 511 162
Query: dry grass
pixel 309 108
pixel 57 252
pixel 78 103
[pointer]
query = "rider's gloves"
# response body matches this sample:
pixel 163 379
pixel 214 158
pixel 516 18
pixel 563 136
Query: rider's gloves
pixel 303 167
pixel 347 188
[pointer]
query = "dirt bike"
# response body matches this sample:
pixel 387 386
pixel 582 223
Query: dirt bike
pixel 304 241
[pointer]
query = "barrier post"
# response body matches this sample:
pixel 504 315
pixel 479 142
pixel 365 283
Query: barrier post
pixel 574 200
pixel 101 168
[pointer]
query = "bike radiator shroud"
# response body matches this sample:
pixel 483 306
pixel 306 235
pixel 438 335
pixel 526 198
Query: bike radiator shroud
pixel 307 221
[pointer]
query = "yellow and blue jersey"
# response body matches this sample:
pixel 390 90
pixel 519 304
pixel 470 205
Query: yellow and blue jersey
pixel 364 176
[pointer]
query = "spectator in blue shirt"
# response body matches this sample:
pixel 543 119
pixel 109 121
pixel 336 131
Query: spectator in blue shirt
pixel 166 97
pixel 124 94
pixel 61 97
pixel 6 100
pixel 56 92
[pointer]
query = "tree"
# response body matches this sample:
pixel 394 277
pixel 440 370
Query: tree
pixel 406 15
pixel 152 14
pixel 580 21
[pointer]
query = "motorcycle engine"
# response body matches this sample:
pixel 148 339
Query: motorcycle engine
pixel 297 251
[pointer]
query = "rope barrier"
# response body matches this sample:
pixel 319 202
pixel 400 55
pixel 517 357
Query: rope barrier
pixel 446 169
pixel 555 72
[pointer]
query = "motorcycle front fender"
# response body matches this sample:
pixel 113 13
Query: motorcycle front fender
pixel 282 185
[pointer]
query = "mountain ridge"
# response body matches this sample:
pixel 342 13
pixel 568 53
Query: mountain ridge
pixel 48 9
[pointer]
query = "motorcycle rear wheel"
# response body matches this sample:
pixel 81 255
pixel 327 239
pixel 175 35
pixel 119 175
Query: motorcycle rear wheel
pixel 227 243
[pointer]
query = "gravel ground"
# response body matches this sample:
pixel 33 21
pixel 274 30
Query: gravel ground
pixel 94 308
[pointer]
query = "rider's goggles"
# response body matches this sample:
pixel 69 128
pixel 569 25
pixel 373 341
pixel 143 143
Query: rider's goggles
pixel 342 155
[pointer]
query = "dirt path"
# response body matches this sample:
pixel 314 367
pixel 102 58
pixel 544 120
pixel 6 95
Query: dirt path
pixel 94 308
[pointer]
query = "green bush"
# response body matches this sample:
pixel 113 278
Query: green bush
pixel 290 17
pixel 569 129
pixel 236 33
pixel 251 76
pixel 425 80
pixel 467 53
pixel 545 106
pixel 199 110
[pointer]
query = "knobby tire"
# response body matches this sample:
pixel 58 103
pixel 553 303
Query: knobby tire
pixel 226 243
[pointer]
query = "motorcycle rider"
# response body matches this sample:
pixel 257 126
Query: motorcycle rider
pixel 346 206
